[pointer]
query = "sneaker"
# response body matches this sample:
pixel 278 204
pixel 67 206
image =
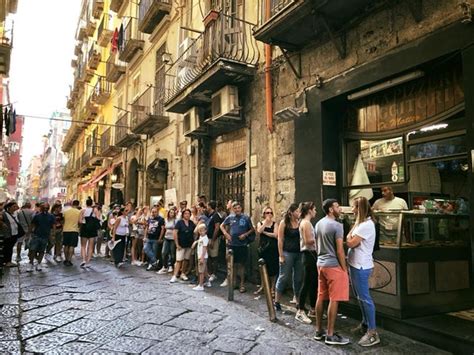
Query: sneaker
pixel 173 279
pixel 319 335
pixel 119 265
pixel 302 317
pixel 58 259
pixel 361 329
pixel 88 266
pixel 224 283
pixel 149 267
pixel 170 269
pixel 208 284
pixel 48 257
pixel 38 267
pixel 83 264
pixel 94 255
pixel 18 259
pixel 312 313
pixel 294 301
pixel 336 339
pixel 277 306
pixel 162 271
pixel 139 263
pixel 212 278
pixel 184 277
pixel 369 340
pixel 198 288
pixel 30 267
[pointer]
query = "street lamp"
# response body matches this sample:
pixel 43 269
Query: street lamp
pixel 101 183
pixel 113 177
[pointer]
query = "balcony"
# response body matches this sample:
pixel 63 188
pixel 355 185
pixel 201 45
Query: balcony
pixel 6 40
pixel 97 8
pixel 151 13
pixel 91 109
pixel 115 68
pixel 293 24
pixel 94 57
pixel 105 31
pixel 90 28
pixel 148 114
pixel 102 91
pixel 123 136
pixel 81 31
pixel 224 54
pixel 107 146
pixel 115 5
pixel 86 168
pixel 132 41
pixel 68 170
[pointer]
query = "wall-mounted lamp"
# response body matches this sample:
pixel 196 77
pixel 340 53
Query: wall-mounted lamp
pixel 113 177
pixel 166 57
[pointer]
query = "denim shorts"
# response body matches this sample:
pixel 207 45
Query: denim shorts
pixel 38 244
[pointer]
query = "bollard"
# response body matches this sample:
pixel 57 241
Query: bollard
pixel 267 289
pixel 230 275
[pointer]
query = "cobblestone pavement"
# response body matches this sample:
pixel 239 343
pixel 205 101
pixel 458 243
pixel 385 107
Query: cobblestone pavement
pixel 103 310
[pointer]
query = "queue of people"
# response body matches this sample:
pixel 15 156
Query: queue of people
pixel 184 243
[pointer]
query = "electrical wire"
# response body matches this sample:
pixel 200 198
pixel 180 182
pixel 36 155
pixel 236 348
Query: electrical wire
pixel 72 121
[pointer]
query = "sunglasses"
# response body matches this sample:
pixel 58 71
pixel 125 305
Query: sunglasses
pixel 268 213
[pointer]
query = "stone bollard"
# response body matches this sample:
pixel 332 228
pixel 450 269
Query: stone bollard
pixel 230 275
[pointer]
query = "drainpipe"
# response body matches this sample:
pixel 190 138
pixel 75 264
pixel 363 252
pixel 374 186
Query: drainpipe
pixel 268 74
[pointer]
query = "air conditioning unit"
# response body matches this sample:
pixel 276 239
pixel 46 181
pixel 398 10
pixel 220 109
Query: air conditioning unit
pixel 225 104
pixel 187 50
pixel 193 123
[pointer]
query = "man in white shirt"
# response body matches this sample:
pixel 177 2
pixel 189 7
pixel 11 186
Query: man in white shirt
pixel 389 223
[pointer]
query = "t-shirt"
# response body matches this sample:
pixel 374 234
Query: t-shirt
pixel 396 203
pixel 25 216
pixel 43 222
pixel 155 225
pixel 59 221
pixel 327 231
pixel 185 233
pixel 169 225
pixel 238 225
pixel 303 245
pixel 211 223
pixel 203 241
pixel 71 220
pixel 361 256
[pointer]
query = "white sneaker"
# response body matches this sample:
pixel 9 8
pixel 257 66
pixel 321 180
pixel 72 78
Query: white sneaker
pixel 208 284
pixel 224 284
pixel 184 277
pixel 83 264
pixel 162 271
pixel 58 259
pixel 170 269
pixel 173 279
pixel 38 267
pixel 149 267
pixel 139 263
pixel 198 288
pixel 94 255
pixel 88 266
pixel 119 265
pixel 294 301
pixel 30 267
pixel 302 317
pixel 212 278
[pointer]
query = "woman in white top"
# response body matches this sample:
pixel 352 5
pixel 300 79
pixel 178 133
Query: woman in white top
pixel 119 234
pixel 310 271
pixel 90 218
pixel 134 221
pixel 169 247
pixel 361 240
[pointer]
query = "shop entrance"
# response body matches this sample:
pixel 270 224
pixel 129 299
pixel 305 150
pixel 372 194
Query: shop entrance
pixel 132 181
pixel 229 185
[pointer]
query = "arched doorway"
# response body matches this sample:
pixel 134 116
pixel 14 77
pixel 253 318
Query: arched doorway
pixel 116 195
pixel 157 177
pixel 132 181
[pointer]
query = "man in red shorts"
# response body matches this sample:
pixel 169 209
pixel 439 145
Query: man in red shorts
pixel 332 270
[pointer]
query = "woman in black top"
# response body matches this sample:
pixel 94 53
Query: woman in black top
pixel 268 246
pixel 289 254
pixel 184 239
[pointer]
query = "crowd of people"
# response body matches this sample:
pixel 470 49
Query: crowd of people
pixel 184 243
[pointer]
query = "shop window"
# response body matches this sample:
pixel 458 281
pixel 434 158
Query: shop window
pixel 437 149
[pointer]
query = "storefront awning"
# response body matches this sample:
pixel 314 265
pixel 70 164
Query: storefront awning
pixel 96 178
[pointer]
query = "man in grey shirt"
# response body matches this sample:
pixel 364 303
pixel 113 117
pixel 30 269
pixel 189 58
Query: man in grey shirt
pixel 332 271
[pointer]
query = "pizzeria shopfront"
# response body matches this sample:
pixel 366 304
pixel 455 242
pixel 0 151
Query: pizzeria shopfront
pixel 406 122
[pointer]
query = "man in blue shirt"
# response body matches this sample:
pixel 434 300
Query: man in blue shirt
pixel 42 225
pixel 237 228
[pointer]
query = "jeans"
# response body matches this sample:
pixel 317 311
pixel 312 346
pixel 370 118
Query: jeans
pixel 310 279
pixel 151 249
pixel 360 285
pixel 291 267
pixel 168 252
pixel 119 249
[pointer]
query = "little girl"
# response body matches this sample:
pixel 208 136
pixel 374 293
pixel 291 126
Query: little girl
pixel 202 244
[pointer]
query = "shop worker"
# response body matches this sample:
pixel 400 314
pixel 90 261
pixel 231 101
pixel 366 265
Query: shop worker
pixel 389 223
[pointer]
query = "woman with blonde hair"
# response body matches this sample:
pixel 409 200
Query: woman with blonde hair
pixel 268 245
pixel 361 240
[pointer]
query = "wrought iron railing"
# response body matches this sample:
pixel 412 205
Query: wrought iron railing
pixel 105 25
pixel 106 140
pixel 94 51
pixel 142 107
pixel 226 38
pixel 145 6
pixel 102 88
pixel 275 7
pixel 131 32
pixel 114 67
pixel 121 127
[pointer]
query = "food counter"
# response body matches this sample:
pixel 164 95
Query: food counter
pixel 424 263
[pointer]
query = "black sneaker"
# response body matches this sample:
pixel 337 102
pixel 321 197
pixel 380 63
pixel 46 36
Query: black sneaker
pixel 336 339
pixel 277 306
pixel 320 335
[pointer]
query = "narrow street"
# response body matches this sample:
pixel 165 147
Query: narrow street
pixel 103 310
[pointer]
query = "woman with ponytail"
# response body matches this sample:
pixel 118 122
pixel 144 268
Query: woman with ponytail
pixel 289 254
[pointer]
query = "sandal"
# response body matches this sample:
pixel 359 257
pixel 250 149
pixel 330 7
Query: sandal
pixel 259 291
pixel 242 289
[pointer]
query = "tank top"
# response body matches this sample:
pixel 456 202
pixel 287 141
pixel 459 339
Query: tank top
pixel 291 243
pixel 169 226
pixel 303 246
pixel 122 228
pixel 88 211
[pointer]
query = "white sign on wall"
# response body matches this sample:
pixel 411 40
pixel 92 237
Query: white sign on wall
pixel 170 197
pixel 329 178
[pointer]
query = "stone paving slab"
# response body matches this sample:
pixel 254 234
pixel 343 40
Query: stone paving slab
pixel 49 341
pixel 83 326
pixel 153 332
pixel 10 347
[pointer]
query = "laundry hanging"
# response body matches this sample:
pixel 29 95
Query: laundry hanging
pixel 114 41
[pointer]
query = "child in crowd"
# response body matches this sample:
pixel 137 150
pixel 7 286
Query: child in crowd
pixel 202 244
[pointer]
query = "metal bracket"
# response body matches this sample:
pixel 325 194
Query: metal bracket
pixel 339 40
pixel 296 71
pixel 416 9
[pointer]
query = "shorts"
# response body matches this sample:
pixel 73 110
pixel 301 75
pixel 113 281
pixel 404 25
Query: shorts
pixel 333 284
pixel 214 250
pixel 38 244
pixel 240 254
pixel 70 239
pixel 202 268
pixel 183 254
